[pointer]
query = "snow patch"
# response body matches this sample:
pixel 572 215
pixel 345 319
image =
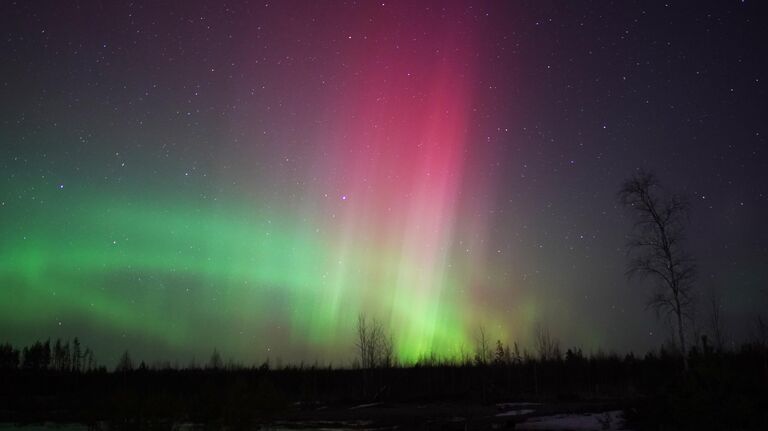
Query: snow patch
pixel 365 406
pixel 519 412
pixel 612 421
pixel 516 405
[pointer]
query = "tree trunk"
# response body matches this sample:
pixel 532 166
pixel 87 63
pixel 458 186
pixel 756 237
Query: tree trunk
pixel 681 334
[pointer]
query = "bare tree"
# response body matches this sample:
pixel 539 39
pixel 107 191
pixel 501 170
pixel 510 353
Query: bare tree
pixel 363 340
pixel 656 248
pixel 716 322
pixel 387 351
pixel 77 356
pixel 375 335
pixel 374 347
pixel 125 363
pixel 89 361
pixel 483 351
pixel 57 356
pixel 517 358
pixel 547 346
pixel 66 358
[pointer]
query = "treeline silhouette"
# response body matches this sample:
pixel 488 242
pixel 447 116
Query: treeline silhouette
pixel 43 356
pixel 60 381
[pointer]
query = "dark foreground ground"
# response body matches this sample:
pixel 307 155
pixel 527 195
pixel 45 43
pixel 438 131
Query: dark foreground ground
pixel 720 390
pixel 390 416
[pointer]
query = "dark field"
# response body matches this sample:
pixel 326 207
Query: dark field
pixel 720 390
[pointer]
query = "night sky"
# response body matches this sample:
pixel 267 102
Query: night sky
pixel 179 176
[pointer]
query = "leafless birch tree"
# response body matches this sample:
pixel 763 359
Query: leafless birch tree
pixel 656 248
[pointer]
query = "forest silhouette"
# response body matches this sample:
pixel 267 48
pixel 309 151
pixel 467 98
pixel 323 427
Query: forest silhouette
pixel 62 382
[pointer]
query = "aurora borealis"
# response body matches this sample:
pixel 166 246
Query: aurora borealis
pixel 251 176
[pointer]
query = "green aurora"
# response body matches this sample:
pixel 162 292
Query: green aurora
pixel 123 264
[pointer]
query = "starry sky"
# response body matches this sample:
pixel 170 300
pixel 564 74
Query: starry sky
pixel 251 175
